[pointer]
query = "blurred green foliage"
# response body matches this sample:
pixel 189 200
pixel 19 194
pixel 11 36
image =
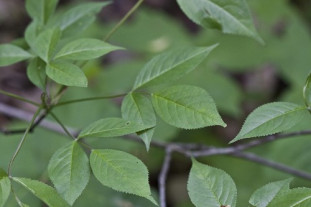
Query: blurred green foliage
pixel 287 50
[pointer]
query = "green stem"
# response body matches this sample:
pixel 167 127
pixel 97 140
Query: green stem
pixel 23 139
pixel 128 14
pixel 62 125
pixel 68 133
pixel 12 95
pixel 19 202
pixel 88 99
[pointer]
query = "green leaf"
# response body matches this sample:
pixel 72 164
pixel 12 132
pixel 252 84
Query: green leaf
pixel 46 42
pixel 264 195
pixel 67 74
pixel 79 17
pixel 171 66
pixel 298 197
pixel 5 187
pixel 187 107
pixel 69 171
pixel 208 186
pixel 43 191
pixel 31 33
pixel 10 54
pixel 36 72
pixel 112 127
pixel 23 205
pixel 85 49
pixel 231 16
pixel 121 171
pixel 137 107
pixel 307 91
pixel 41 10
pixel 271 118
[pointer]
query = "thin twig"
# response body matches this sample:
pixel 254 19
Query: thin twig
pixel 23 140
pixel 67 132
pixel 27 116
pixel 62 125
pixel 264 140
pixel 127 15
pixel 88 99
pixel 17 97
pixel 163 176
pixel 278 166
pixel 190 150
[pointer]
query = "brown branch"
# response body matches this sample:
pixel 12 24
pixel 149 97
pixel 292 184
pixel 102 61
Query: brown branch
pixel 163 176
pixel 26 116
pixel 275 165
pixel 187 149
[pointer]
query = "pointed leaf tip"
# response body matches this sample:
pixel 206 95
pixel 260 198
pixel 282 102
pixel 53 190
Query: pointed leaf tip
pixel 122 172
pixel 270 119
pixel 186 107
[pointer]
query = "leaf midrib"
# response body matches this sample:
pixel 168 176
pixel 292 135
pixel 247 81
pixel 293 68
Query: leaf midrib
pixel 113 129
pixel 231 17
pixel 286 113
pixel 162 72
pixel 120 171
pixel 189 108
pixel 79 51
pixel 301 201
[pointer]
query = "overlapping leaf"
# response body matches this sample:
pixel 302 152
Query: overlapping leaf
pixel 113 127
pixel 43 191
pixel 231 16
pixel 85 49
pixel 79 17
pixel 31 33
pixel 5 187
pixel 36 72
pixel 298 197
pixel 307 91
pixel 208 186
pixel 41 10
pixel 271 118
pixel 10 54
pixel 46 42
pixel 121 171
pixel 264 195
pixel 69 171
pixel 138 108
pixel 66 73
pixel 171 66
pixel 187 107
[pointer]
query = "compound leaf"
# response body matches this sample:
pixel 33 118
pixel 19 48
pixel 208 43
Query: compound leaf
pixel 10 54
pixel 112 127
pixel 5 187
pixel 43 191
pixel 231 16
pixel 271 118
pixel 69 171
pixel 171 66
pixel 66 73
pixel 138 108
pixel 85 49
pixel 187 107
pixel 208 186
pixel 121 171
pixel 264 195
